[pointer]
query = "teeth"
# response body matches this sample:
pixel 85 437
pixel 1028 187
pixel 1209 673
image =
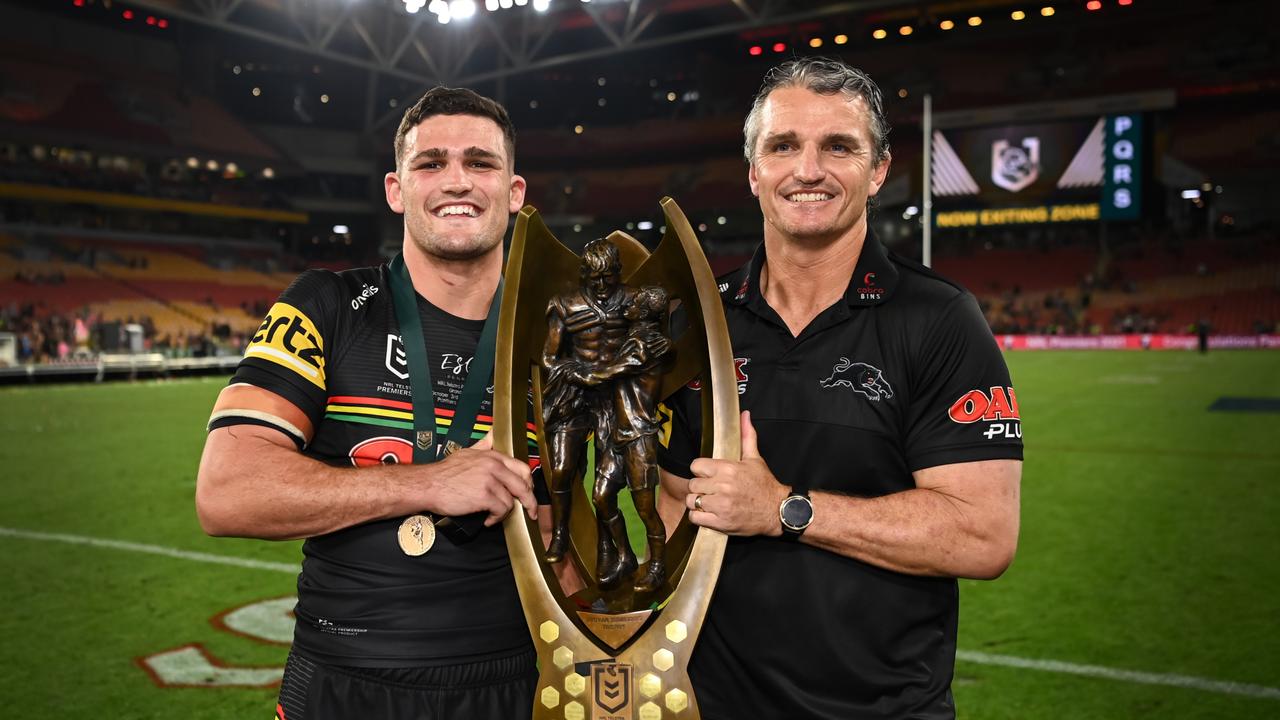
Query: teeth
pixel 448 210
pixel 808 197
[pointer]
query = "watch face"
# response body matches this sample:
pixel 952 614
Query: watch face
pixel 797 512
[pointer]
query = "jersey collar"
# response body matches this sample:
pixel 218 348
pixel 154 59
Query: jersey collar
pixel 873 281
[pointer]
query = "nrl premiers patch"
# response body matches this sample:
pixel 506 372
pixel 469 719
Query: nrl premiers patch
pixel 288 338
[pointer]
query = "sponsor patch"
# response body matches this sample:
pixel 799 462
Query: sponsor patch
pixel 739 365
pixel 385 450
pixel 288 338
pixel 866 380
pixel 869 289
pixel 997 406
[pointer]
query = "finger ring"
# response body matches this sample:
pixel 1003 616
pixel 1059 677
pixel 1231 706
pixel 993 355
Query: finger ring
pixel 697 503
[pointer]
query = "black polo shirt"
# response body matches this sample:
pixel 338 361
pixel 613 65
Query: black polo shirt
pixel 903 374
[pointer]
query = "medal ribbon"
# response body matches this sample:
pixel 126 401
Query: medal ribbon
pixel 427 442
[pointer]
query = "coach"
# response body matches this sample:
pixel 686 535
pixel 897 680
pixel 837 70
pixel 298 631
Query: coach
pixel 882 444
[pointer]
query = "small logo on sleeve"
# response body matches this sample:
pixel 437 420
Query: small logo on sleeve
pixel 860 377
pixel 997 406
pixel 288 338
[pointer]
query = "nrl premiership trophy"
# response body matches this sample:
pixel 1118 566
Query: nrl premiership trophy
pixel 590 341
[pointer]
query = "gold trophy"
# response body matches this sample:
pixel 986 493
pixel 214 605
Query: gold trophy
pixel 587 338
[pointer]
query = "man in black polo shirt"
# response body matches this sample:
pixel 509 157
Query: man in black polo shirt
pixel 881 443
pixel 328 432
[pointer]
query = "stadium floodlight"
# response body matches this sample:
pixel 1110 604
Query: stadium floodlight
pixel 1192 194
pixel 521 3
pixel 506 4
pixel 541 5
pixel 341 229
pixel 491 5
pixel 413 6
pixel 462 9
pixel 644 225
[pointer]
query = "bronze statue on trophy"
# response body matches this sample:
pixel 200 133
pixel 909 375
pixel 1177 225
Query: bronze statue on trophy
pixel 605 351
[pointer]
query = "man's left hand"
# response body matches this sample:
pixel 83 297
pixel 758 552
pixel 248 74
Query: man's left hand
pixel 736 497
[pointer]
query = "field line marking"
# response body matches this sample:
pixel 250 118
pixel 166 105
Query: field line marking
pixel 1146 678
pixel 151 549
pixel 1133 676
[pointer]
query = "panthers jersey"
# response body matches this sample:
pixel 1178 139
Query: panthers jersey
pixel 331 346
pixel 900 374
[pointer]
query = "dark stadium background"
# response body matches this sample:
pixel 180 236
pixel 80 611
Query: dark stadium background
pixel 167 167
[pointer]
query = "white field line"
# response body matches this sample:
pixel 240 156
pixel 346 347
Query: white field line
pixel 152 550
pixel 1133 676
pixel 981 658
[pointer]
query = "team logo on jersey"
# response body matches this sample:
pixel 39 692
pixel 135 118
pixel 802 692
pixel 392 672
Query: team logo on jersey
pixel 397 360
pixel 997 406
pixel 385 450
pixel 864 379
pixel 288 338
pixel 738 370
pixel 1013 167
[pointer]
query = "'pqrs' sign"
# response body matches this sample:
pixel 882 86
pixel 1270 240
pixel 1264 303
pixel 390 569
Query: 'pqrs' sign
pixel 1122 184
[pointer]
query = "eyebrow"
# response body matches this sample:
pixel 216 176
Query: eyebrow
pixel 471 153
pixel 791 137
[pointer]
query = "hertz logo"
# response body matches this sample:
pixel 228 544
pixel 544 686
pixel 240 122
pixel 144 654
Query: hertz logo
pixel 288 338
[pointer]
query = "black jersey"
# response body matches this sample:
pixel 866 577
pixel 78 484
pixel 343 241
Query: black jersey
pixel 331 346
pixel 903 374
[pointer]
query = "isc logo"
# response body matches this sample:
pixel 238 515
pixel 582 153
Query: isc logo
pixel 999 406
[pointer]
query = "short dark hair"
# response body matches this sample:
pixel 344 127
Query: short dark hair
pixel 824 76
pixel 442 100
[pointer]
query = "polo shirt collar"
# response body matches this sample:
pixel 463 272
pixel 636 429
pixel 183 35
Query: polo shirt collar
pixel 874 277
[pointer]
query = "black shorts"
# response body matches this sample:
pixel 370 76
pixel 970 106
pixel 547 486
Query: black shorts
pixel 494 689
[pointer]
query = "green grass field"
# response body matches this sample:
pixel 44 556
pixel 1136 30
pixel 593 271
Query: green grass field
pixel 1148 568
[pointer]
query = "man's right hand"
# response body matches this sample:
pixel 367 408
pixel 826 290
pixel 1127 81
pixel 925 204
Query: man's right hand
pixel 479 479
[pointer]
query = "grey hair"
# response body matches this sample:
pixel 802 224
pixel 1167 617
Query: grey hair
pixel 824 76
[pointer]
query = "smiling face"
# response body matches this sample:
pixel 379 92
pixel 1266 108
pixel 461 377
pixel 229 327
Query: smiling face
pixel 813 166
pixel 455 187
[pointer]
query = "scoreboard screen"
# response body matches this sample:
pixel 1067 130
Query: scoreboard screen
pixel 1054 171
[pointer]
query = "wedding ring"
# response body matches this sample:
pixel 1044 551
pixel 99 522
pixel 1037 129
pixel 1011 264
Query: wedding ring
pixel 697 503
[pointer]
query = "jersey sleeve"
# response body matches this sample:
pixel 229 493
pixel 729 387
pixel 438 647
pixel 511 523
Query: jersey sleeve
pixel 680 441
pixel 290 351
pixel 963 407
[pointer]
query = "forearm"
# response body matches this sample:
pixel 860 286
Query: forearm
pixel 917 532
pixel 250 486
pixel 671 499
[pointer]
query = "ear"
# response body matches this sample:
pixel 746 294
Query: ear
pixel 391 185
pixel 879 174
pixel 752 180
pixel 518 186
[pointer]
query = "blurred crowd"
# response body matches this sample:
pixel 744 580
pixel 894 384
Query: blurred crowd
pixel 51 337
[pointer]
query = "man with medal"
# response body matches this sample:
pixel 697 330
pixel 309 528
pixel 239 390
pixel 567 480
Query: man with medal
pixel 358 420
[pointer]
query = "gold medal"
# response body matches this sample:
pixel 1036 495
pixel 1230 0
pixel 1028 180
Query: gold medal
pixel 416 535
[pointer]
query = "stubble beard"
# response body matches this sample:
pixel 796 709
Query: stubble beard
pixel 454 249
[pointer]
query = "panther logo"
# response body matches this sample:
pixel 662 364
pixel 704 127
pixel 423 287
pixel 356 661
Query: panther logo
pixel 860 377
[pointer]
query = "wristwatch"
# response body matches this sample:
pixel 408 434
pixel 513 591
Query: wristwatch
pixel 795 512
